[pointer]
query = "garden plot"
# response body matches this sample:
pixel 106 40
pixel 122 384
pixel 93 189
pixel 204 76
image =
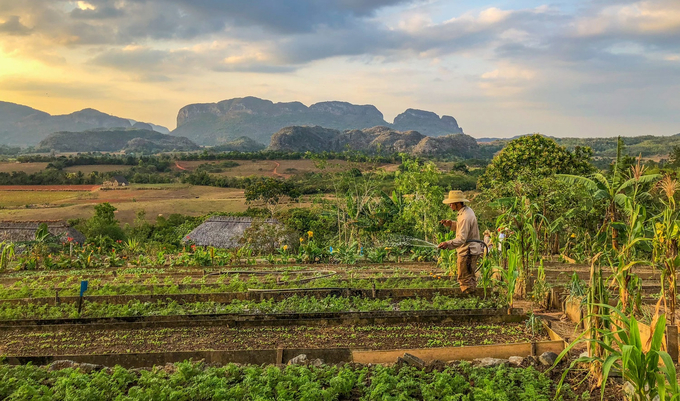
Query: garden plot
pixel 197 381
pixel 10 314
pixel 84 341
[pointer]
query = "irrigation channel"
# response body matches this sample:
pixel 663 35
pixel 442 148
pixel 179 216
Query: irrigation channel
pixel 371 313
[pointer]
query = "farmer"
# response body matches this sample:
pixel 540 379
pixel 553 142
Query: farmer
pixel 466 231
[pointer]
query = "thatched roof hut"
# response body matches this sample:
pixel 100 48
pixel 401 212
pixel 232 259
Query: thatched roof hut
pixel 222 231
pixel 23 231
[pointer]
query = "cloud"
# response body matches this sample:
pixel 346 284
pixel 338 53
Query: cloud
pixel 13 26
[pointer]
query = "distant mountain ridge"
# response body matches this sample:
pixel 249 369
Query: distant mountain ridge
pixel 115 140
pixel 259 119
pixel 25 126
pixel 375 139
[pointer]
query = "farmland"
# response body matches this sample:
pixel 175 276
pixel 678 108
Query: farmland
pixel 154 199
pixel 350 274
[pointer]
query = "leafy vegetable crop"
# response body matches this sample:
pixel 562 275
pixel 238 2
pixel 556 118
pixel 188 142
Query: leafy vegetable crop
pixel 189 381
pixel 294 304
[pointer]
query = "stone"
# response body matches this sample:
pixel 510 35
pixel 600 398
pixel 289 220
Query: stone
pixel 299 360
pixel 317 363
pixel 547 358
pixel 413 360
pixel 62 364
pixel 89 367
pixel 488 362
pixel 516 360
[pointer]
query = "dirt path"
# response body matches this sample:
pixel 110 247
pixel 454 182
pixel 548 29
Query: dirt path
pixel 276 173
pixel 179 166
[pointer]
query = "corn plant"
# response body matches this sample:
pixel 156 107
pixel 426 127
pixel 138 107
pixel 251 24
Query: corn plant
pixel 511 274
pixel 6 254
pixel 522 218
pixel 541 289
pixel 649 370
pixel 666 236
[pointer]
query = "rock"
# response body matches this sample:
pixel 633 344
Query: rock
pixel 169 368
pixel 317 363
pixel 413 360
pixel 89 367
pixel 299 360
pixel 531 360
pixel 547 358
pixel 516 360
pixel 62 364
pixel 488 362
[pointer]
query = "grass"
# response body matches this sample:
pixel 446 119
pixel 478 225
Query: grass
pixel 157 199
pixel 102 168
pixel 28 168
pixel 52 198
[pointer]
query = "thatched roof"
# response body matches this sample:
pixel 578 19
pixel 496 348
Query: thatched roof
pixel 120 179
pixel 22 231
pixel 221 231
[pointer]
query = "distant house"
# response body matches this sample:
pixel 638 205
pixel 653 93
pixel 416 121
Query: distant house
pixel 24 231
pixel 221 231
pixel 116 182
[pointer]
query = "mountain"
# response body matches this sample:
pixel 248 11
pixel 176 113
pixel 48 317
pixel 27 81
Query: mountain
pixel 115 140
pixel 242 144
pixel 376 139
pixel 25 126
pixel 426 122
pixel 216 123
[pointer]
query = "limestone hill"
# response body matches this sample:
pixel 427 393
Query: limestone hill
pixel 26 126
pixel 376 139
pixel 258 119
pixel 115 140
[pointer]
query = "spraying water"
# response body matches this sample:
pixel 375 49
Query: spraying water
pixel 403 240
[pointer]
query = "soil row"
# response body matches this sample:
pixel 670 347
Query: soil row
pixel 83 341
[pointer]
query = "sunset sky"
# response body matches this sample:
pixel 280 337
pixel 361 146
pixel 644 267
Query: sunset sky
pixel 503 68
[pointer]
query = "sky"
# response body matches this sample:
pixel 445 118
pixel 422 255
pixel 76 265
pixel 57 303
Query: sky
pixel 566 68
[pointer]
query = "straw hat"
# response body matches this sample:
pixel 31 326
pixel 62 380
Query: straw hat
pixel 455 196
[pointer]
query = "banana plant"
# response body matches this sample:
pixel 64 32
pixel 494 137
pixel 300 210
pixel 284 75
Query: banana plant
pixel 612 190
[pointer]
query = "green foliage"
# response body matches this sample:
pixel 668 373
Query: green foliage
pixel 624 352
pixel 536 153
pixel 423 206
pixel 196 381
pixel 104 223
pixel 294 304
pixel 6 254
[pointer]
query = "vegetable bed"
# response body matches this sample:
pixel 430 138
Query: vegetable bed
pixel 78 341
pixel 187 381
pixel 22 290
pixel 294 304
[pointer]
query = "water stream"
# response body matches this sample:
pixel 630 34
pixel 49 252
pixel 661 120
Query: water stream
pixel 403 240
